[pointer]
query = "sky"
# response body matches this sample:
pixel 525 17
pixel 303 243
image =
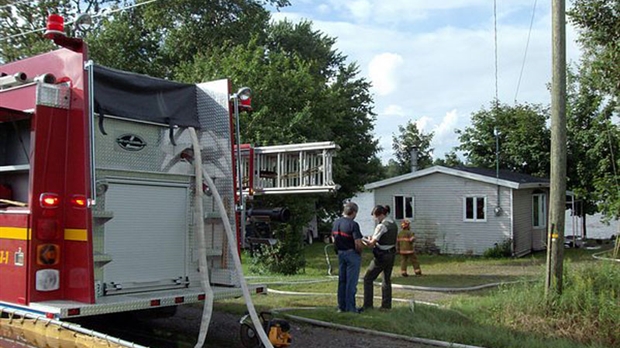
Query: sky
pixel 432 62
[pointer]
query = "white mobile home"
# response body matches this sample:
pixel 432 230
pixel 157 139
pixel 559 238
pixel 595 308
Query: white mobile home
pixel 466 210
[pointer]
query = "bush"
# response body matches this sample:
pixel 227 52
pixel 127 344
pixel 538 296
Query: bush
pixel 504 249
pixel 285 257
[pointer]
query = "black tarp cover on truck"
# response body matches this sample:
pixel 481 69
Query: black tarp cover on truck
pixel 141 97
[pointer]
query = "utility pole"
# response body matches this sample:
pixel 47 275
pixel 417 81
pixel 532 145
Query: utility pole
pixel 555 239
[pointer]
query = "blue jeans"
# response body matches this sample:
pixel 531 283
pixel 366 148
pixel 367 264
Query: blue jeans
pixel 348 273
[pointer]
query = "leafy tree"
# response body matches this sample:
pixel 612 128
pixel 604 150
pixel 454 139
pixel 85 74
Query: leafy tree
pixel 598 23
pixel 156 39
pixel 522 134
pixel 22 24
pixel 409 139
pixel 300 95
pixel 451 159
pixel 594 97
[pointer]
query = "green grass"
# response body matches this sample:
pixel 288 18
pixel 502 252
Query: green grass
pixel 515 315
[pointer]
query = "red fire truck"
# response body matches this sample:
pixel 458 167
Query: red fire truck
pixel 97 192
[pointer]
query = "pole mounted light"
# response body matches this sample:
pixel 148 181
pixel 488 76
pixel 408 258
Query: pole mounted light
pixel 241 100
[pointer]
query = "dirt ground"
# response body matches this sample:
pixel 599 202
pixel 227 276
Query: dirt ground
pixel 225 328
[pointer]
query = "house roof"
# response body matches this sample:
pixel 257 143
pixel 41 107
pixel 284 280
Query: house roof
pixel 505 178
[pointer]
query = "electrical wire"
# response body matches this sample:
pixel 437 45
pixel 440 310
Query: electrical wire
pixel 103 13
pixel 527 44
pixel 495 38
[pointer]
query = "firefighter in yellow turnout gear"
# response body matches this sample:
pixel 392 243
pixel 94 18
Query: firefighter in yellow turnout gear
pixel 404 247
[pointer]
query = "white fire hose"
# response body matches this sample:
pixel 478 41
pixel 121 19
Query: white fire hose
pixel 233 250
pixel 202 245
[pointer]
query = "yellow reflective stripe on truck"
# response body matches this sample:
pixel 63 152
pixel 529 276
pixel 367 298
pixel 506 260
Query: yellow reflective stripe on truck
pixel 19 233
pixel 79 235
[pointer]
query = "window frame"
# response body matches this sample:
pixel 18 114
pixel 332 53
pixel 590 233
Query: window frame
pixel 475 210
pixel 541 209
pixel 403 208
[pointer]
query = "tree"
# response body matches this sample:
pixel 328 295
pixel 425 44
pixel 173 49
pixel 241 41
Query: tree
pixel 300 95
pixel 522 135
pixel 22 24
pixel 594 161
pixel 156 39
pixel 598 23
pixel 409 139
pixel 451 159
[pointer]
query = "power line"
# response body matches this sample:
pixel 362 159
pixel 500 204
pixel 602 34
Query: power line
pixel 527 44
pixel 495 37
pixel 103 13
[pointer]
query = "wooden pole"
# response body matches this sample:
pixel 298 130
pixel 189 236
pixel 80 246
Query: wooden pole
pixel 555 247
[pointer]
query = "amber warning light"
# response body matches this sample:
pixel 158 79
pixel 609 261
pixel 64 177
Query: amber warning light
pixel 79 201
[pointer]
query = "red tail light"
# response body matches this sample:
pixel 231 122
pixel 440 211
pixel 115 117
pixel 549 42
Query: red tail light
pixel 49 200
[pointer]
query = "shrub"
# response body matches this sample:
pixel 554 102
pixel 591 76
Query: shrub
pixel 503 249
pixel 285 257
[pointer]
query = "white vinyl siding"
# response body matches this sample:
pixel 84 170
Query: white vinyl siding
pixel 539 210
pixel 475 209
pixel 403 207
pixel 438 213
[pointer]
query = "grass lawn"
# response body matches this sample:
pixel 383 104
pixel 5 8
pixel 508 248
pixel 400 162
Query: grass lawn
pixel 474 318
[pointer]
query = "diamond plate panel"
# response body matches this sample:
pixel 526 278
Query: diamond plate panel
pixel 215 140
pixel 56 96
pixel 139 151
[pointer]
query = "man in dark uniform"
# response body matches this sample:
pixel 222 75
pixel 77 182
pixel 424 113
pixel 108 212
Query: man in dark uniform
pixel 383 242
pixel 348 241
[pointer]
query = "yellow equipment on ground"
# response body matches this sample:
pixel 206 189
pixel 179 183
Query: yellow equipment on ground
pixel 278 331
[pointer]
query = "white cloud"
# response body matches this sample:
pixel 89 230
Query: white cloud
pixel 324 9
pixel 393 110
pixel 360 9
pixel 439 56
pixel 383 71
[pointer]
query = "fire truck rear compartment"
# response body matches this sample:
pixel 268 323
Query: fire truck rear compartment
pixel 14 163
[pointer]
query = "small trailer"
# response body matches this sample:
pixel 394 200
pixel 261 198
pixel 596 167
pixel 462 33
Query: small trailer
pixel 98 208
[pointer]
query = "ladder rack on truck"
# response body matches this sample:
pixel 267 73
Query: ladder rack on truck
pixel 294 168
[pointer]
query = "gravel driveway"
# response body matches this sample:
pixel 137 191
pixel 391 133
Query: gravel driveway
pixel 181 331
pixel 225 328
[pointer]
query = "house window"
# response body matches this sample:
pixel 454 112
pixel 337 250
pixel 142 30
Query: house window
pixel 403 207
pixel 474 208
pixel 539 210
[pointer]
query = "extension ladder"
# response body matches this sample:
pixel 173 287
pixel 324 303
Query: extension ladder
pixel 294 168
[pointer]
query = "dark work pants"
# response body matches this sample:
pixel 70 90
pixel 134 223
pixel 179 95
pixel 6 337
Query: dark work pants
pixel 383 262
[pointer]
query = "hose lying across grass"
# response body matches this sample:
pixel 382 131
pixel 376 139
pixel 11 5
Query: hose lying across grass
pixel 411 303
